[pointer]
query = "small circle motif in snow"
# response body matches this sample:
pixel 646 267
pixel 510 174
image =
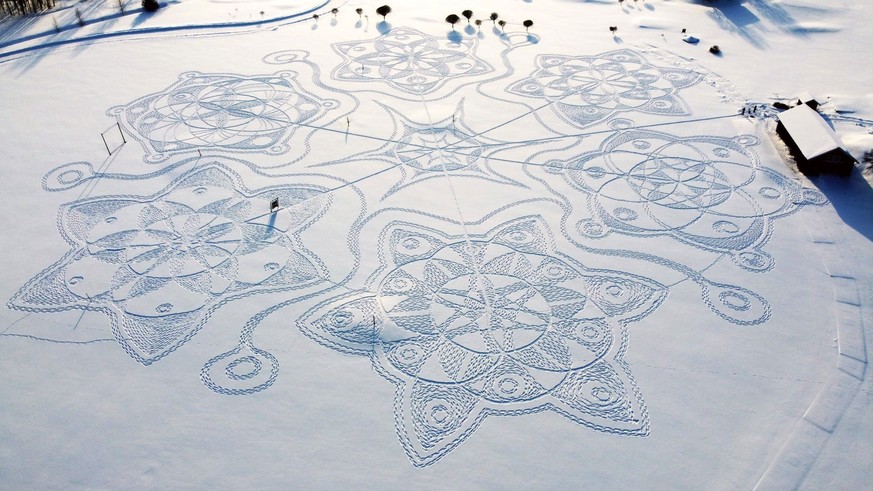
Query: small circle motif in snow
pixel 243 368
pixel 595 172
pixel 343 318
pixel 735 300
pixel 725 227
pixel 601 393
pixel 615 290
pixel 591 228
pixel 70 176
pixel 625 214
pixel 410 354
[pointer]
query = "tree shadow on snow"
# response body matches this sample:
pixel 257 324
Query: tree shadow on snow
pixel 383 27
pixel 733 16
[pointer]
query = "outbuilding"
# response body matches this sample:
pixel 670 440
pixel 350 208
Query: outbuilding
pixel 813 142
pixel 808 99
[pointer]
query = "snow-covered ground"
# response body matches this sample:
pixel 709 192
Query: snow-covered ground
pixel 560 258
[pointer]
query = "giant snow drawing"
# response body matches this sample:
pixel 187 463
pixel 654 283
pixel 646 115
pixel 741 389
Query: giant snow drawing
pixel 707 191
pixel 223 112
pixel 160 265
pixel 465 324
pixel 409 61
pixel 589 89
pixel 501 324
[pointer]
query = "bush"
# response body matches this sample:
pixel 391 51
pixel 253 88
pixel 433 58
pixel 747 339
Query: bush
pixel 150 5
pixel 452 19
pixel 383 11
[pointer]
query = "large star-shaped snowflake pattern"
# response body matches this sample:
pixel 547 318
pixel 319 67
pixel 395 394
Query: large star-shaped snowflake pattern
pixel 445 148
pixel 498 324
pixel 585 90
pixel 160 265
pixel 221 111
pixel 409 61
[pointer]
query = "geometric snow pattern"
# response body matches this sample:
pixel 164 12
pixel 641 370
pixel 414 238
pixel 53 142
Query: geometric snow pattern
pixel 585 90
pixel 706 191
pixel 492 325
pixel 431 151
pixel 464 326
pixel 408 60
pixel 220 111
pixel 159 265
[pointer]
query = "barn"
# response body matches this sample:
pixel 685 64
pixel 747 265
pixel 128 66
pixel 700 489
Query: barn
pixel 813 143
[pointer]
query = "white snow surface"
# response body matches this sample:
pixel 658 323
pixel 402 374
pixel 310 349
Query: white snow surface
pixel 556 258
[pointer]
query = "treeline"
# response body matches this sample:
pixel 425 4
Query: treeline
pixel 21 7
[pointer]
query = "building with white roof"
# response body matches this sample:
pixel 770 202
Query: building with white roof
pixel 813 142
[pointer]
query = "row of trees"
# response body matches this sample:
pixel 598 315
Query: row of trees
pixel 383 11
pixel 22 7
pixel 468 14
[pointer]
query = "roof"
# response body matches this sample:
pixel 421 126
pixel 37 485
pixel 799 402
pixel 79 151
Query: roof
pixel 810 132
pixel 805 97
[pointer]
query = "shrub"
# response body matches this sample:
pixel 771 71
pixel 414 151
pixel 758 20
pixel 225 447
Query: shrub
pixel 383 11
pixel 150 5
pixel 452 19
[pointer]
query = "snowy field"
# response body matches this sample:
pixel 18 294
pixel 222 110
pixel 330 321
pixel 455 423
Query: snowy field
pixel 502 258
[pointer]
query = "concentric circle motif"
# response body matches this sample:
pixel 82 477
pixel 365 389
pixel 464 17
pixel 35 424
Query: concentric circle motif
pixel 708 191
pixel 483 301
pixel 223 111
pixel 408 61
pixel 588 89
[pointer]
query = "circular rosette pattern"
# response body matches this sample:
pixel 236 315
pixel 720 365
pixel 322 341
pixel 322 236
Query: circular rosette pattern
pixel 221 111
pixel 708 191
pixel 468 318
pixel 159 265
pixel 409 61
pixel 506 325
pixel 589 89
